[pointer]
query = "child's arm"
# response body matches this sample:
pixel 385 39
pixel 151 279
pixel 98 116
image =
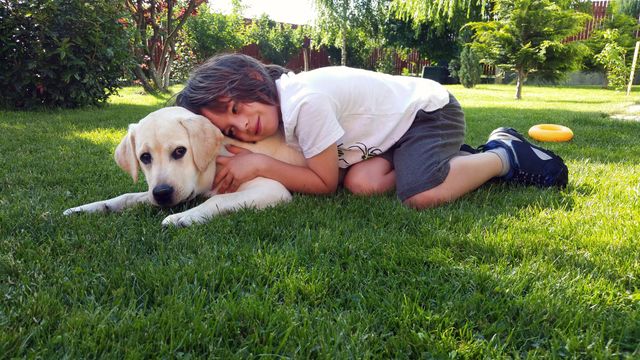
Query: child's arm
pixel 319 176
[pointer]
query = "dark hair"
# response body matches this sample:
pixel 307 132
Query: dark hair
pixel 237 77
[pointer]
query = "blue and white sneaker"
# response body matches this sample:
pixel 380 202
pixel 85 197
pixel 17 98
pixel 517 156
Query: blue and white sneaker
pixel 530 164
pixel 469 149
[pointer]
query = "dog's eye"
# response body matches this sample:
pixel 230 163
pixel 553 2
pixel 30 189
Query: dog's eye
pixel 145 158
pixel 179 152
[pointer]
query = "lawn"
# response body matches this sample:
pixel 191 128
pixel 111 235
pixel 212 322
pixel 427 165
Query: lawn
pixel 506 271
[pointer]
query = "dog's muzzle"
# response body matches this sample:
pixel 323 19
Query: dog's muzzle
pixel 163 194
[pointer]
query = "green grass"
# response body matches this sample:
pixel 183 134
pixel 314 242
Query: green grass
pixel 505 272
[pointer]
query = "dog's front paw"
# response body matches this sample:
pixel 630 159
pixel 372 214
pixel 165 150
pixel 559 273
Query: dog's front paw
pixel 184 219
pixel 94 207
pixel 72 210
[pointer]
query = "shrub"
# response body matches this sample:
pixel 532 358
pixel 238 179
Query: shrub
pixel 470 68
pixel 277 42
pixel 454 69
pixel 386 61
pixel 60 53
pixel 612 58
pixel 624 27
pixel 210 33
pixel 204 35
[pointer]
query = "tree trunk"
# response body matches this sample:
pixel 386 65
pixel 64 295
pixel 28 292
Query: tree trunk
pixel 156 77
pixel 166 76
pixel 305 56
pixel 522 76
pixel 499 75
pixel 157 51
pixel 137 70
pixel 343 61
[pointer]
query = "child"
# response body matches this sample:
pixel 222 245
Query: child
pixel 385 130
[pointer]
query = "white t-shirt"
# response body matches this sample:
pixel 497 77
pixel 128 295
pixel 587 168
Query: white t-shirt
pixel 363 112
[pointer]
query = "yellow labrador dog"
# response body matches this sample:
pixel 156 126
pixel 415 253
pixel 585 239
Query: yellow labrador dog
pixel 176 150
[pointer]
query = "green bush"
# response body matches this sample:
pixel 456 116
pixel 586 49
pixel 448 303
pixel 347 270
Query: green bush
pixel 454 69
pixel 630 7
pixel 278 43
pixel 386 61
pixel 211 33
pixel 470 68
pixel 60 53
pixel 612 58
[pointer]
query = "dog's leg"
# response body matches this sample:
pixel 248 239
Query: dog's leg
pixel 116 204
pixel 257 193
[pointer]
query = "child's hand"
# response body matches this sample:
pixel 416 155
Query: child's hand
pixel 234 171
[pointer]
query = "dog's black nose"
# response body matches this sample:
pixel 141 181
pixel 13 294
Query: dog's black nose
pixel 163 194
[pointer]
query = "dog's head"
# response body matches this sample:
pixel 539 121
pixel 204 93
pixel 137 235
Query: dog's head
pixel 176 151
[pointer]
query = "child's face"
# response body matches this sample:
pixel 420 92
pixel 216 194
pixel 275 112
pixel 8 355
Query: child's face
pixel 247 122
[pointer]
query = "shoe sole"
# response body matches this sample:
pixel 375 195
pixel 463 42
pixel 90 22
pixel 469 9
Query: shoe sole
pixel 562 179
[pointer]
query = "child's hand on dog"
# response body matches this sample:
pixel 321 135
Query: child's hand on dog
pixel 234 171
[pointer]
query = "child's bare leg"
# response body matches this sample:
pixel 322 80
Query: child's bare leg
pixel 372 176
pixel 466 173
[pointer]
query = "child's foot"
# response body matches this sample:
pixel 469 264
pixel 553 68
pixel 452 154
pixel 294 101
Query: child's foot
pixel 529 164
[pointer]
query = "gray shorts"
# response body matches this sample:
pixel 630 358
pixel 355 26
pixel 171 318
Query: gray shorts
pixel 421 156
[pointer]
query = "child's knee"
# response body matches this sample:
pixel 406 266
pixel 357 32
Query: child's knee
pixel 357 185
pixel 360 183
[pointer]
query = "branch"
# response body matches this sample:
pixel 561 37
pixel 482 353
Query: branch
pixel 193 4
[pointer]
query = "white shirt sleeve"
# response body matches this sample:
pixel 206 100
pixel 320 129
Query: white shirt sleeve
pixel 317 125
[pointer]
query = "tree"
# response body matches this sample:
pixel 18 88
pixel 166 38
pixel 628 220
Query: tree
pixel 630 7
pixel 55 53
pixel 443 11
pixel 435 38
pixel 341 20
pixel 617 33
pixel 210 33
pixel 527 36
pixel 157 25
pixel 612 58
pixel 438 13
pixel 205 35
pixel 470 68
pixel 439 45
pixel 277 42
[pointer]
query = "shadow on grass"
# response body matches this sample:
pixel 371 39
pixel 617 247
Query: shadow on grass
pixel 485 266
pixel 555 101
pixel 422 275
pixel 330 275
pixel 49 144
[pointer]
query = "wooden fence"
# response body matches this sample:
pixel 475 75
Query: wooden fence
pixel 412 62
pixel 598 14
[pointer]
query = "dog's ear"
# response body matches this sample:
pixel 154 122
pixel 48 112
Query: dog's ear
pixel 204 137
pixel 125 154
